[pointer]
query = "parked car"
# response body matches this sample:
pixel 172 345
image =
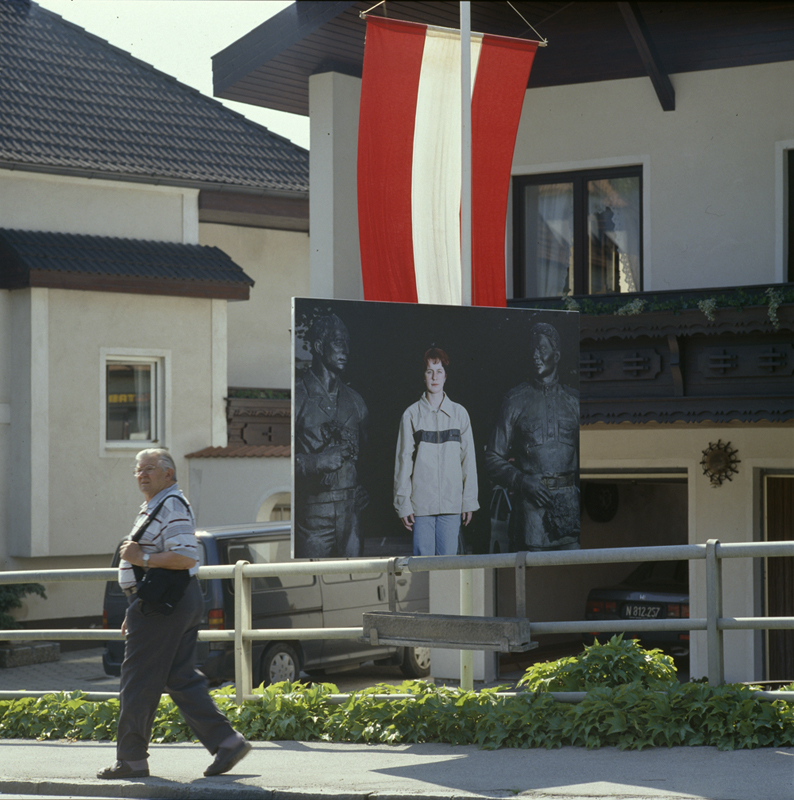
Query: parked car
pixel 654 590
pixel 288 601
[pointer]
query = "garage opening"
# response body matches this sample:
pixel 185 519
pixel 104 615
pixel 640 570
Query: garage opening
pixel 616 511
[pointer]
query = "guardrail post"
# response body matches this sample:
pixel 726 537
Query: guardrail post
pixel 714 635
pixel 392 580
pixel 243 677
pixel 466 608
pixel 521 584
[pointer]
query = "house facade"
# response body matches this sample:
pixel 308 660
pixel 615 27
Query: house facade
pixel 148 238
pixel 651 190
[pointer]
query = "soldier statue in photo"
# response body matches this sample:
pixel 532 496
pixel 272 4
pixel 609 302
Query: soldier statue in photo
pixel 533 452
pixel 330 429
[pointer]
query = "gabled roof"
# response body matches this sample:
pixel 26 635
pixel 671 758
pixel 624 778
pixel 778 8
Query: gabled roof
pixel 100 263
pixel 588 41
pixel 74 104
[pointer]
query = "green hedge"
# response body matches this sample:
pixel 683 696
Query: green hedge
pixel 633 701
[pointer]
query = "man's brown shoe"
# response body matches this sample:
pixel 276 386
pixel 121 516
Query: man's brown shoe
pixel 121 770
pixel 227 757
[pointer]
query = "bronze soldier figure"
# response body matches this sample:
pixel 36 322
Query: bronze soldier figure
pixel 534 452
pixel 330 429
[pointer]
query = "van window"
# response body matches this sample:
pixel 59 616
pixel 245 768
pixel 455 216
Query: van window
pixel 347 577
pixel 270 552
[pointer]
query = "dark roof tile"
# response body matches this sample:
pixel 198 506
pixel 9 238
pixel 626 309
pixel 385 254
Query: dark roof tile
pixel 23 252
pixel 71 101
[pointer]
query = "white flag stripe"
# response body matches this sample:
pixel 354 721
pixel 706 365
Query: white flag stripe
pixel 436 169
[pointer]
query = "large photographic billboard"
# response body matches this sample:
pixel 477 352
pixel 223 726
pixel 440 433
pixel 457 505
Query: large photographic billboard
pixel 425 430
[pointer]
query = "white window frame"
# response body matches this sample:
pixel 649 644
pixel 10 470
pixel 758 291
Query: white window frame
pixel 161 397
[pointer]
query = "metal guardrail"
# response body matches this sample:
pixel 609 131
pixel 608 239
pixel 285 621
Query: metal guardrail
pixel 242 573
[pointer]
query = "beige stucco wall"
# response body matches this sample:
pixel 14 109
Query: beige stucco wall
pixel 230 491
pixel 60 204
pixel 259 328
pixel 710 167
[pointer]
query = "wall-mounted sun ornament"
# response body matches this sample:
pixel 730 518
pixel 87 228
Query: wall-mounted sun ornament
pixel 719 462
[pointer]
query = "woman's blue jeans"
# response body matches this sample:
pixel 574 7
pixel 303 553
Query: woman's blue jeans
pixel 436 535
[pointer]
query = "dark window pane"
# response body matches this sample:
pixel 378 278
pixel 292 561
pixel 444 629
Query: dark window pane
pixel 578 233
pixel 613 235
pixel 129 402
pixel 548 226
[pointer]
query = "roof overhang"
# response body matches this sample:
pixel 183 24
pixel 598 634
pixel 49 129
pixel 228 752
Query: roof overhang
pixel 30 259
pixel 588 41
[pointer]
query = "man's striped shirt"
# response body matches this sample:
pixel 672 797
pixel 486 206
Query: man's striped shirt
pixel 173 529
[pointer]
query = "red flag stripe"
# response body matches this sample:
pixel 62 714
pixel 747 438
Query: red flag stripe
pixel 389 86
pixel 502 75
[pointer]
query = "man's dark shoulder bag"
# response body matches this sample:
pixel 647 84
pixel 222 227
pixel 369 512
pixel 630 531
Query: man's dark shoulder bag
pixel 159 589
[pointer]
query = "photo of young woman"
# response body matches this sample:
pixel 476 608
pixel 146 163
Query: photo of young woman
pixel 435 474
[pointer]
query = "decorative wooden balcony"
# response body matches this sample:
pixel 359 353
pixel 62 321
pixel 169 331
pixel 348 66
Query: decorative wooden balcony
pixel 254 418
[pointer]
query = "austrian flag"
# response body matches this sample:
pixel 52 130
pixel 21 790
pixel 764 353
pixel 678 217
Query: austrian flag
pixel 409 160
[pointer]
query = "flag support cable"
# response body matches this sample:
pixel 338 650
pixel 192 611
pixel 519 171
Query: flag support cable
pixel 542 40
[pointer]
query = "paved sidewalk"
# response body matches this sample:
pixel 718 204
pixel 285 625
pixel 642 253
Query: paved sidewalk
pixel 298 771
pixel 77 669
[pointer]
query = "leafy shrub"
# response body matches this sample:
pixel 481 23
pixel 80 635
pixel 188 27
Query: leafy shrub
pixel 613 664
pixel 633 701
pixel 11 597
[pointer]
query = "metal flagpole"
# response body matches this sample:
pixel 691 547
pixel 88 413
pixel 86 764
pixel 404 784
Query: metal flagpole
pixel 466 589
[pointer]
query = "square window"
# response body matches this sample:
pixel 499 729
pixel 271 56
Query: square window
pixel 133 400
pixel 578 233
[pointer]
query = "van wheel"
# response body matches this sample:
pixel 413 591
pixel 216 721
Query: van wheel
pixel 279 662
pixel 416 662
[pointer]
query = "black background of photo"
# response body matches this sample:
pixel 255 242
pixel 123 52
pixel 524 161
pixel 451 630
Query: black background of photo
pixel 488 351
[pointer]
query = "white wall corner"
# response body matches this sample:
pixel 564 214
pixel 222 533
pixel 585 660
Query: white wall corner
pixel 219 373
pixel 40 429
pixel 29 514
pixel 335 265
pixel 190 216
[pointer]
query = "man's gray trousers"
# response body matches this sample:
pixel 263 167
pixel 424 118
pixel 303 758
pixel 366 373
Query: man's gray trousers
pixel 159 656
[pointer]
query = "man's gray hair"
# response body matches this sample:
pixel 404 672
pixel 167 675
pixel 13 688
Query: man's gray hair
pixel 164 458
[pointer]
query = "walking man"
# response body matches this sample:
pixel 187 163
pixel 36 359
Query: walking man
pixel 159 653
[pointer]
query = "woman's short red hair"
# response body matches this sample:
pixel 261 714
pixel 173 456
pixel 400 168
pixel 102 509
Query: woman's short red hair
pixel 436 354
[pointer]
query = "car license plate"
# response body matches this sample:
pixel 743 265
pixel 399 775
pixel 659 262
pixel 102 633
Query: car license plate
pixel 640 611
